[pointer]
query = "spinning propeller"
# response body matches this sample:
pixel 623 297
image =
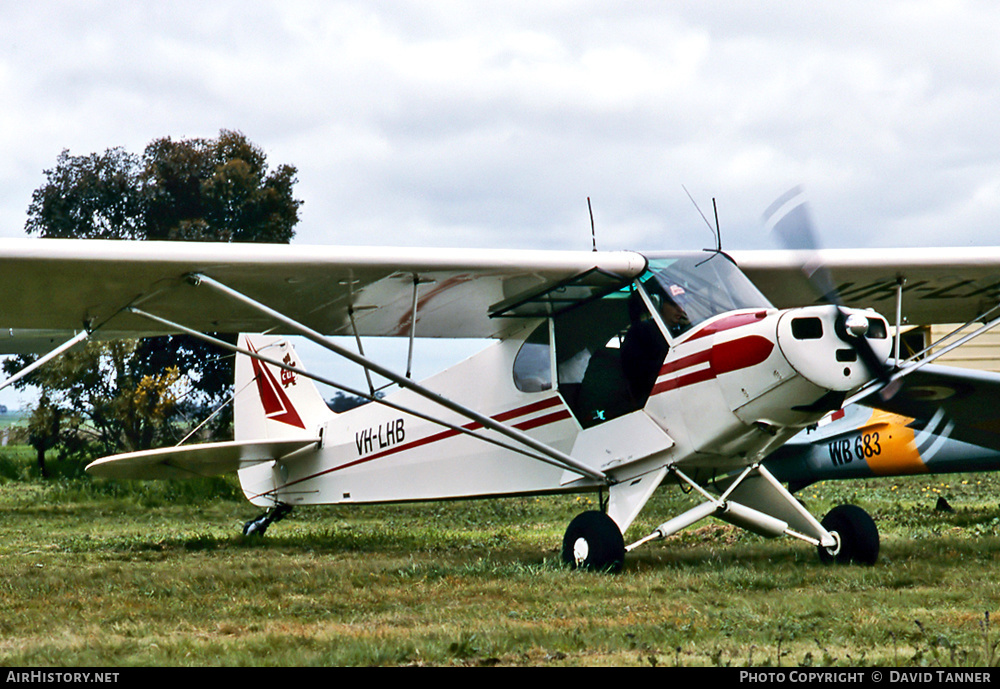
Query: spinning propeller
pixel 789 218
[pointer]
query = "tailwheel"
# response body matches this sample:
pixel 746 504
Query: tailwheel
pixel 257 527
pixel 856 534
pixel 594 542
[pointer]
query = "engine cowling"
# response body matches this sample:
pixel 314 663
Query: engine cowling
pixel 822 344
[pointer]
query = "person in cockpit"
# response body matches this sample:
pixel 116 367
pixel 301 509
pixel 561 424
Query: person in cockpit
pixel 673 314
pixel 644 347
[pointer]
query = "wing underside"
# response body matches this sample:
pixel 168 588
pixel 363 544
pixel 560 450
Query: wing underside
pixel 939 285
pixel 52 284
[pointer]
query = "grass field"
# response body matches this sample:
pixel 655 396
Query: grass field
pixel 112 574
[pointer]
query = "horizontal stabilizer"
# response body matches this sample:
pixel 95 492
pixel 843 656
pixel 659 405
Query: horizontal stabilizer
pixel 193 461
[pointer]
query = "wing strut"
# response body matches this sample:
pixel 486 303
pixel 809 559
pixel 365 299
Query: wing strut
pixel 413 326
pixel 310 334
pixel 913 364
pixel 361 349
pixel 982 329
pixel 73 341
pixel 548 455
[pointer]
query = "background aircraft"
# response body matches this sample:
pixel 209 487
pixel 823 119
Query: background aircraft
pixel 951 430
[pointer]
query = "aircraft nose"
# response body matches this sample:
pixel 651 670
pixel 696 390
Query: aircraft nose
pixel 820 343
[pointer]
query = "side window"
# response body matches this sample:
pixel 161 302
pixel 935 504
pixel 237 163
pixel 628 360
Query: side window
pixel 533 363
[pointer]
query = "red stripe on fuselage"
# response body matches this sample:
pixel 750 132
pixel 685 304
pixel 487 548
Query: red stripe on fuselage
pixel 744 352
pixel 724 357
pixel 448 433
pixel 542 420
pixel 686 362
pixel 473 426
pixel 728 323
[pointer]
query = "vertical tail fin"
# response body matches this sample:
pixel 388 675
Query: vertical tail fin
pixel 273 402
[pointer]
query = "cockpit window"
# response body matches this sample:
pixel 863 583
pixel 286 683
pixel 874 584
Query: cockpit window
pixel 588 359
pixel 609 351
pixel 701 286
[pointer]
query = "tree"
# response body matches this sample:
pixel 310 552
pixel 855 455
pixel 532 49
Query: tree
pixel 342 401
pixel 216 190
pixel 189 190
pixel 95 197
pixel 97 400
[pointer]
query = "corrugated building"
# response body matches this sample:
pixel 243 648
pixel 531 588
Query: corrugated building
pixel 981 353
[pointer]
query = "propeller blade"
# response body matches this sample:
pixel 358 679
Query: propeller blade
pixel 789 219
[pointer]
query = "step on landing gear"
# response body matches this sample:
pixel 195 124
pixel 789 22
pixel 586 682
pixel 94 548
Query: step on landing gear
pixel 594 542
pixel 257 527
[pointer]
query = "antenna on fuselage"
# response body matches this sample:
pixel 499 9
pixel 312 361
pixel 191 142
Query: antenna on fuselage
pixel 593 236
pixel 716 233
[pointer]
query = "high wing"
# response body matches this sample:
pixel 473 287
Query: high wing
pixel 52 284
pixel 941 285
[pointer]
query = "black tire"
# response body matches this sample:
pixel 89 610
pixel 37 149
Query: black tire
pixel 255 528
pixel 593 542
pixel 857 535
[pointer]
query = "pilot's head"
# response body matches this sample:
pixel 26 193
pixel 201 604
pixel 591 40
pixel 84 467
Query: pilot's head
pixel 669 306
pixel 672 313
pixel 672 310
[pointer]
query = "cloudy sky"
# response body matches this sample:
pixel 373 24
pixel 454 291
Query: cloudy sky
pixel 489 124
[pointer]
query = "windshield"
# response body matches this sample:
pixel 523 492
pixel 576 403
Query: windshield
pixel 700 286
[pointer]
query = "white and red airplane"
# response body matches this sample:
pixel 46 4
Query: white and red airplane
pixel 612 372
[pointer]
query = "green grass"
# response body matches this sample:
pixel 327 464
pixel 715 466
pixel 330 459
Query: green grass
pixel 97 573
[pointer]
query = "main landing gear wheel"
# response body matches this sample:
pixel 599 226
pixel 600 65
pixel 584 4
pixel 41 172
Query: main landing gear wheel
pixel 856 533
pixel 594 542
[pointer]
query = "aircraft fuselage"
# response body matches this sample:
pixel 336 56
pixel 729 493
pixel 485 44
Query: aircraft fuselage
pixel 734 384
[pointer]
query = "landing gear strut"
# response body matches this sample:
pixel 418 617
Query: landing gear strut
pixel 856 534
pixel 257 527
pixel 594 542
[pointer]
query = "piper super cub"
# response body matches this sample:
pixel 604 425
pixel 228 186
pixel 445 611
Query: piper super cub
pixel 612 372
